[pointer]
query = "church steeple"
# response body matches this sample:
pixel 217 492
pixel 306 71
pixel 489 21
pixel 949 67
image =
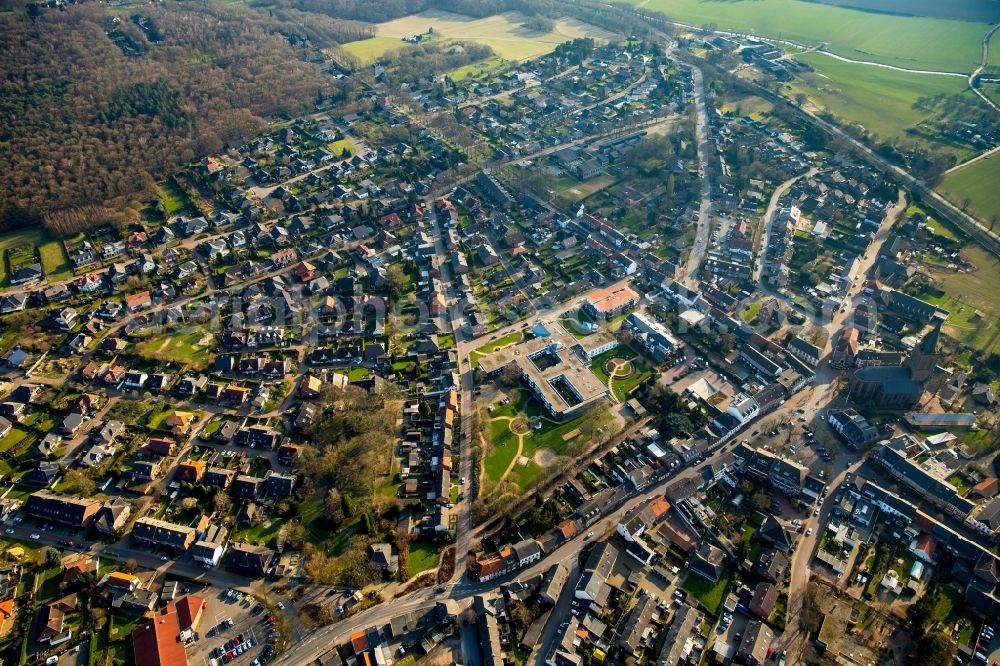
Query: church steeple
pixel 930 342
pixel 924 357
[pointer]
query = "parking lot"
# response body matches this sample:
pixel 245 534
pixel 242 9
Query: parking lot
pixel 236 632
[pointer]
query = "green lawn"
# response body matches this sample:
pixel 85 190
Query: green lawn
pixel 960 483
pixel 509 339
pixel 49 588
pixel 175 201
pixel 422 556
pixel 934 225
pixel 155 420
pixel 751 312
pixel 261 534
pixel 621 387
pixel 476 68
pixel 121 626
pixel 490 347
pixel 621 351
pixel 976 183
pixel 55 263
pixel 213 426
pixel 14 240
pixel 337 147
pixel 575 190
pixel 710 594
pixel 13 439
pixel 503 451
pixel 965 293
pixel 195 347
pixel 572 325
pixel 552 435
pixel 904 41
pixel 368 51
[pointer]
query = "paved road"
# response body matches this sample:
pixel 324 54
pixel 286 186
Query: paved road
pixel 322 640
pixel 122 551
pixel 761 247
pixel 700 246
pixel 978 231
pixel 792 638
pixel 984 62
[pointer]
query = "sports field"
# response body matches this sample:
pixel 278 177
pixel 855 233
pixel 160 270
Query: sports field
pixel 576 190
pixel 977 183
pixel 914 42
pixel 502 32
pixel 881 100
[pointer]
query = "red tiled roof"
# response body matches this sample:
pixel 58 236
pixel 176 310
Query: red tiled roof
pixel 489 566
pixel 927 544
pixel 568 528
pixel 158 642
pixel 611 298
pixel 659 507
pixel 189 610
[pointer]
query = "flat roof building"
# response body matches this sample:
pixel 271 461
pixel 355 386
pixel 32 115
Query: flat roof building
pixel 560 377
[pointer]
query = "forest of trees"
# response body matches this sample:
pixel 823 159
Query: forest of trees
pixel 84 123
pixel 99 106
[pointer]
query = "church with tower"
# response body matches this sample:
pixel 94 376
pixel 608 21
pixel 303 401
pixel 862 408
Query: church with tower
pixel 901 385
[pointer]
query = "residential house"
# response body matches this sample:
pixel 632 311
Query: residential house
pixel 253 561
pixel 63 509
pixel 163 533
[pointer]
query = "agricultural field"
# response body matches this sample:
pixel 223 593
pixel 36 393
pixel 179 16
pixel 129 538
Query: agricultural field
pixel 963 10
pixel 502 32
pixel 880 100
pixel 977 183
pixel 913 42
